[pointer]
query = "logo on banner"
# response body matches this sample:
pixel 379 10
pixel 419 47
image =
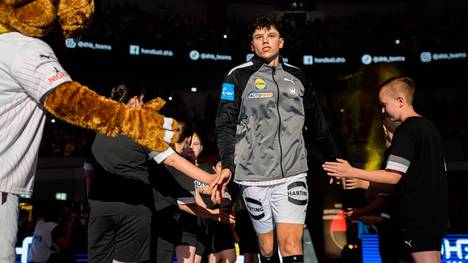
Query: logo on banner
pixel 70 43
pixel 134 50
pixel 426 57
pixel 194 55
pixel 366 59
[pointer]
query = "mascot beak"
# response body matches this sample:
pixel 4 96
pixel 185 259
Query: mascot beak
pixel 31 18
pixel 36 18
pixel 75 16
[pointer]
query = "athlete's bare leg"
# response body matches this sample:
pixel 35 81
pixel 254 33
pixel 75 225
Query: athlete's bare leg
pixel 266 243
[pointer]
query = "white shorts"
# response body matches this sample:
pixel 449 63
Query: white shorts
pixel 285 202
pixel 9 211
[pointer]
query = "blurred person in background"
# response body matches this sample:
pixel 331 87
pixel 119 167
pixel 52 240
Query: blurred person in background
pixel 52 234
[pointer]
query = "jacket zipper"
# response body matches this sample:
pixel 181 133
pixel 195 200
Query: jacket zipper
pixel 279 122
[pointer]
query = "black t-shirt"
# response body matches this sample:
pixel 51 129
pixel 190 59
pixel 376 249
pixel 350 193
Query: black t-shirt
pixel 120 184
pixel 165 189
pixel 171 185
pixel 184 189
pixel 417 151
pixel 207 167
pixel 184 194
pixel 389 209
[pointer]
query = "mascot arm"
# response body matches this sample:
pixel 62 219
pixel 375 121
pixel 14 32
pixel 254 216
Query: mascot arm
pixel 83 107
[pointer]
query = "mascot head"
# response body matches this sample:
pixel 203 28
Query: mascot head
pixel 36 18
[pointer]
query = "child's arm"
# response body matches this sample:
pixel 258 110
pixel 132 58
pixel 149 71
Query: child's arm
pixel 341 168
pixel 198 199
pixel 188 168
pixel 170 158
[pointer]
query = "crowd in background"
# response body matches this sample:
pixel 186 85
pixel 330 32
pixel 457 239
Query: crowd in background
pixel 128 23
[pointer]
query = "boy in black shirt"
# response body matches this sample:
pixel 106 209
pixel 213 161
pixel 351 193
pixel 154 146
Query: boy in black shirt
pixel 416 165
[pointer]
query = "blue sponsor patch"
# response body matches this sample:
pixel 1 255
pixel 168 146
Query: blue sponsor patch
pixel 228 92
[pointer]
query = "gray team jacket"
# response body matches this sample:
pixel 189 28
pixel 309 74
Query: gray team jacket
pixel 261 119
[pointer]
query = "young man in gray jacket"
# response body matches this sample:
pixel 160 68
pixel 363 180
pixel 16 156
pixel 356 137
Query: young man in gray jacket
pixel 265 110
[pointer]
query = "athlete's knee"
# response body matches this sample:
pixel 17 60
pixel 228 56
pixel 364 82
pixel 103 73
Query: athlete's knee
pixel 290 245
pixel 266 251
pixel 266 244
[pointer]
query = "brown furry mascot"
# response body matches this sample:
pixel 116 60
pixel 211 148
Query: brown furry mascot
pixel 71 101
pixel 32 81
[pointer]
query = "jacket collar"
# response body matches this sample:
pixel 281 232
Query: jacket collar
pixel 258 60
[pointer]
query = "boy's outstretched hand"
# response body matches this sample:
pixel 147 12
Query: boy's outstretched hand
pixel 355 183
pixel 340 168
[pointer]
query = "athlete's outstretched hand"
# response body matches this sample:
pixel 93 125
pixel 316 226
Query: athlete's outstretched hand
pixel 340 168
pixel 218 187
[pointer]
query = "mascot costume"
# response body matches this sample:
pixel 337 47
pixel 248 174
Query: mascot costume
pixel 32 82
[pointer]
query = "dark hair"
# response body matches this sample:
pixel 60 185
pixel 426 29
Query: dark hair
pixel 263 22
pixel 186 128
pixel 199 134
pixel 123 93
